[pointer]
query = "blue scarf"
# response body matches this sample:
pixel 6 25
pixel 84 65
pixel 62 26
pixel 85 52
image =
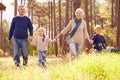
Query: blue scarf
pixel 78 22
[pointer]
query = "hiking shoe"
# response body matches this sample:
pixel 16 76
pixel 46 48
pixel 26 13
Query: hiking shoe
pixel 17 64
pixel 43 64
pixel 25 62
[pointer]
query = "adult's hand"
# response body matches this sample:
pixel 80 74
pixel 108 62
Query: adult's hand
pixel 58 36
pixel 10 42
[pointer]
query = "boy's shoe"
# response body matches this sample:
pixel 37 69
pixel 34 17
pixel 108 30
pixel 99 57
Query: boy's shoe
pixel 25 62
pixel 17 64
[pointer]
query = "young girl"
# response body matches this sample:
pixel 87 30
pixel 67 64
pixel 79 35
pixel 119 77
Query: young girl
pixel 41 41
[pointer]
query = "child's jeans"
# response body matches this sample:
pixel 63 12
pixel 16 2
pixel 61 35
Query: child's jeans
pixel 75 50
pixel 42 57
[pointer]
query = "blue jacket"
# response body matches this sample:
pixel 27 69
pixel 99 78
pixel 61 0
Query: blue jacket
pixel 19 27
pixel 99 42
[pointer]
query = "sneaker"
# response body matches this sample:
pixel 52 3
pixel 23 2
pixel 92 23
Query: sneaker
pixel 39 64
pixel 17 64
pixel 43 64
pixel 25 62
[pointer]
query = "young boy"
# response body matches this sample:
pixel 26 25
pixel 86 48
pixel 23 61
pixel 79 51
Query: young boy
pixel 98 39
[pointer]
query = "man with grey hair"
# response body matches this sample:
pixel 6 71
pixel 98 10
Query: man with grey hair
pixel 19 29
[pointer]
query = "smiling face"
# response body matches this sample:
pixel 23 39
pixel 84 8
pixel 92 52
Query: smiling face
pixel 21 10
pixel 41 32
pixel 98 29
pixel 79 13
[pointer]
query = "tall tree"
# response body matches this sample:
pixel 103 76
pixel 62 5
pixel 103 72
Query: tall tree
pixel 64 43
pixel 51 12
pixel 91 17
pixel 94 11
pixel 67 13
pixel 49 18
pixel 112 13
pixel 87 15
pixel 55 44
pixel 87 22
pixel 15 7
pixel 76 4
pixel 71 10
pixel 60 40
pixel 2 7
pixel 118 26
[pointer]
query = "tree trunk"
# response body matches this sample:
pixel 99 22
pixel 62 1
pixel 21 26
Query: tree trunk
pixel 94 12
pixel 49 17
pixel 1 29
pixel 55 44
pixel 15 7
pixel 67 13
pixel 71 10
pixel 64 43
pixel 88 46
pixel 87 15
pixel 76 4
pixel 39 21
pixel 51 20
pixel 112 11
pixel 118 26
pixel 60 40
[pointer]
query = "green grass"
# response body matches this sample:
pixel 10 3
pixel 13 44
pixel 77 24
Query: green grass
pixel 86 67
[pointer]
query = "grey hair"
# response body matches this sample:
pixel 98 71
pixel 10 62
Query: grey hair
pixel 81 11
pixel 21 5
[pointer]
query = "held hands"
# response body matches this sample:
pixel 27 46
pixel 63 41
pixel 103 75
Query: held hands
pixel 90 41
pixel 10 42
pixel 58 36
pixel 30 38
pixel 54 40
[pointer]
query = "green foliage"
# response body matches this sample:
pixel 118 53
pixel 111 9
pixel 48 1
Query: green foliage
pixel 90 67
pixel 104 66
pixel 5 29
pixel 50 49
pixel 32 50
pixel 59 49
pixel 110 35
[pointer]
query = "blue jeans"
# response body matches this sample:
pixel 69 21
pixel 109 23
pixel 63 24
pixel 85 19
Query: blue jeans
pixel 42 56
pixel 75 50
pixel 20 44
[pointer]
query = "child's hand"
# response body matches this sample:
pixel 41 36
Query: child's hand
pixel 30 38
pixel 58 36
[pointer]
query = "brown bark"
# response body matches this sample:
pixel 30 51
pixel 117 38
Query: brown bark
pixel 76 4
pixel 118 26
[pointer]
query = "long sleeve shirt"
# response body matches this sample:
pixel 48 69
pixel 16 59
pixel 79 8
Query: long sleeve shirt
pixel 42 45
pixel 19 27
pixel 99 42
pixel 80 35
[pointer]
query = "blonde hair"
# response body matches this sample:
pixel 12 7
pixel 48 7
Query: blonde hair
pixel 97 27
pixel 81 11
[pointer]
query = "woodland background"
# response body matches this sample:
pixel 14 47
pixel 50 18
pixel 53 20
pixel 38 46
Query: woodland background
pixel 54 16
